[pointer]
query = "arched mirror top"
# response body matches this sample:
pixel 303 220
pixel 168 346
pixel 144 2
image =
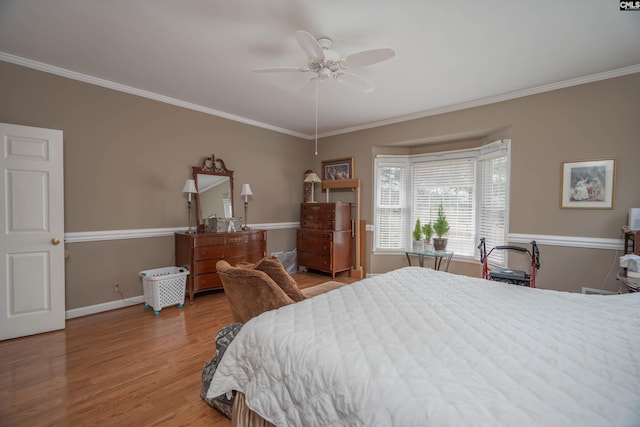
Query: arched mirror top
pixel 214 183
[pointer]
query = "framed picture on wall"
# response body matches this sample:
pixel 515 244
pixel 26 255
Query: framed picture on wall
pixel 588 184
pixel 337 169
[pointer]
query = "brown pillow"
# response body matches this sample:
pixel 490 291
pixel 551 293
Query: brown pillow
pixel 274 269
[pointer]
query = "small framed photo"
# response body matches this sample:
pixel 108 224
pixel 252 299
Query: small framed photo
pixel 588 184
pixel 337 169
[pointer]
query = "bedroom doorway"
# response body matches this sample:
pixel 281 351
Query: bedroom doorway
pixel 32 294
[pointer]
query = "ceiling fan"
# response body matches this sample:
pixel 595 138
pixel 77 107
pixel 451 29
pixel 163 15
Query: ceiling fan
pixel 327 63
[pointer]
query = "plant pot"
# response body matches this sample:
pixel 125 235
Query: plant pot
pixel 440 243
pixel 428 247
pixel 418 245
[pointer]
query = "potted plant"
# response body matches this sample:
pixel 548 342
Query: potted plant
pixel 427 229
pixel 418 243
pixel 440 227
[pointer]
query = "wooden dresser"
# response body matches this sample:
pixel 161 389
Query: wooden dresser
pixel 324 237
pixel 200 252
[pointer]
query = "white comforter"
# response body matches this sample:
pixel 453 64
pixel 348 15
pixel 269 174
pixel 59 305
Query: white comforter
pixel 416 347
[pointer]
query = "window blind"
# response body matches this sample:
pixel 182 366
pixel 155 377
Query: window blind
pixel 391 206
pixel 452 184
pixel 492 222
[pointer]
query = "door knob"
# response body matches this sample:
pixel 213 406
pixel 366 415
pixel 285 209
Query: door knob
pixel 55 241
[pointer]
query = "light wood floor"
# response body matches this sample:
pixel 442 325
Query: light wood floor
pixel 124 367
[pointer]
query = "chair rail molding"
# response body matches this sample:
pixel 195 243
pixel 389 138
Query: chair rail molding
pixel 568 241
pixel 143 233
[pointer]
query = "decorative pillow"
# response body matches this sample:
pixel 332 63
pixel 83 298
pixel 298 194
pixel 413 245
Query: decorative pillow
pixel 274 269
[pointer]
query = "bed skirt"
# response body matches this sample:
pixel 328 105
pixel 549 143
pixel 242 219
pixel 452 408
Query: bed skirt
pixel 245 417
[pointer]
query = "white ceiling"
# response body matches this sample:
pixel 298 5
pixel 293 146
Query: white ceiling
pixel 200 53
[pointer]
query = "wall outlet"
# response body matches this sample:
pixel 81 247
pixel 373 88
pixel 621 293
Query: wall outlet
pixel 116 287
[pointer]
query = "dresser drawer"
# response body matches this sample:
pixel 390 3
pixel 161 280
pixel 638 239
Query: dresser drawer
pixel 223 252
pixel 251 253
pixel 224 239
pixel 208 252
pixel 314 261
pixel 317 207
pixel 326 216
pixel 306 233
pixel 315 246
pixel 206 281
pixel 208 239
pixel 317 216
pixel 318 225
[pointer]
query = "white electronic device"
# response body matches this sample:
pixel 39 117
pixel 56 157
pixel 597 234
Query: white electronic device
pixel 634 219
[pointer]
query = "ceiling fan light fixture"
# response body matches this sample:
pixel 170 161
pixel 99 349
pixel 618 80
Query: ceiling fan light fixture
pixel 325 43
pixel 324 73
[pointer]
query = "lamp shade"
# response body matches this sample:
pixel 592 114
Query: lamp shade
pixel 189 186
pixel 312 177
pixel 246 190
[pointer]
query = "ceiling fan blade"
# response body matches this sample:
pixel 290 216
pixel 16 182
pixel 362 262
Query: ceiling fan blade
pixel 368 57
pixel 354 81
pixel 310 45
pixel 279 69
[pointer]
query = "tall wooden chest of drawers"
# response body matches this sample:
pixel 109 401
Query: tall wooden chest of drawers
pixel 200 252
pixel 324 237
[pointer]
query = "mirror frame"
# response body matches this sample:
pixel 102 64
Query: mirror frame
pixel 211 166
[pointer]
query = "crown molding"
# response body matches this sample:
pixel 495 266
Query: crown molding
pixel 40 66
pixel 493 99
pixel 427 113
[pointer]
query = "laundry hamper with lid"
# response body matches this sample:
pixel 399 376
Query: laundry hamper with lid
pixel 164 287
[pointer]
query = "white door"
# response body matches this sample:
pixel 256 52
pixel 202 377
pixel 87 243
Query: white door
pixel 31 231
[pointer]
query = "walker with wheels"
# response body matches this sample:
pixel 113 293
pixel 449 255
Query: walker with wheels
pixel 508 275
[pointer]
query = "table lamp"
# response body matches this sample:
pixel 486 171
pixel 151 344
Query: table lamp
pixel 189 187
pixel 246 192
pixel 312 178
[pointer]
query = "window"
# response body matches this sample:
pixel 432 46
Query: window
pixel 471 185
pixel 391 205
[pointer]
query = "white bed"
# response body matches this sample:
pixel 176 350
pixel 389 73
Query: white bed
pixel 417 347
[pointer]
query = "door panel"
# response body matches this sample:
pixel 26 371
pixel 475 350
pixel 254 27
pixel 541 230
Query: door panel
pixel 31 231
pixel 29 209
pixel 28 272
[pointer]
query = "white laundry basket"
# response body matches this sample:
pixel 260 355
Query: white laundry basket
pixel 164 287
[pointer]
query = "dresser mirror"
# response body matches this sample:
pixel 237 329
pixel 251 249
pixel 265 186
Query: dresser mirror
pixel 214 198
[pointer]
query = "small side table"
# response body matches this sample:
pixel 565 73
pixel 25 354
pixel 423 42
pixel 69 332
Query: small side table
pixel 437 258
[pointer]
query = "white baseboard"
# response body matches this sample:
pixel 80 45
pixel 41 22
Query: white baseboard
pixel 107 306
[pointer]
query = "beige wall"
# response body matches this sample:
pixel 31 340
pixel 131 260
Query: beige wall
pixel 585 122
pixel 127 157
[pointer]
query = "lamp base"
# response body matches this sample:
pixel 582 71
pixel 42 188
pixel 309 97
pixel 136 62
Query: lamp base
pixel 245 227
